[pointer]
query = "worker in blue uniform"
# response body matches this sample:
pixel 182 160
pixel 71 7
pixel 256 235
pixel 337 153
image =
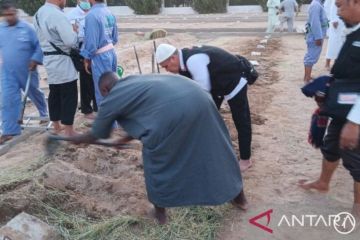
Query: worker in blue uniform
pixel 20 53
pixel 101 34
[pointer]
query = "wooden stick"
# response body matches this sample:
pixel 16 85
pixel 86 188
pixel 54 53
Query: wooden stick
pixel 158 68
pixel 137 60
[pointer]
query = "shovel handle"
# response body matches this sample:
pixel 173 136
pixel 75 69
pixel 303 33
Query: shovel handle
pixel 97 142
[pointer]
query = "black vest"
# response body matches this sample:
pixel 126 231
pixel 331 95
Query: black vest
pixel 347 64
pixel 224 68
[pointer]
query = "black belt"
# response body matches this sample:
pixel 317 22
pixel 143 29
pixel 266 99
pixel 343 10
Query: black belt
pixel 54 53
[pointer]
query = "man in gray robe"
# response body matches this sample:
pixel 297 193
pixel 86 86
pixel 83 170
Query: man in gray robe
pixel 187 152
pixel 289 8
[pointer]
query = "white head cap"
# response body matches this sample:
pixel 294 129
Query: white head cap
pixel 164 51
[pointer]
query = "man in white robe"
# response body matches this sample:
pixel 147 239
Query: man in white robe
pixel 336 35
pixel 273 15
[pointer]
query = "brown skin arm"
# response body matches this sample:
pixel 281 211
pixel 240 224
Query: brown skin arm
pixel 75 28
pixel 87 65
pixel 123 140
pixel 32 65
pixel 318 42
pixel 87 138
pixel 350 136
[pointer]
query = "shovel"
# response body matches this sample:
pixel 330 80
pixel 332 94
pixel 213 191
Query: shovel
pixel 26 93
pixel 52 143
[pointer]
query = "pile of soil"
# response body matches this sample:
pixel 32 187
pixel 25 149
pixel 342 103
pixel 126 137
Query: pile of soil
pixel 104 181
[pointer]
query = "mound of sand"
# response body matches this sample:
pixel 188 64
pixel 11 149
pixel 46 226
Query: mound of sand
pixel 104 181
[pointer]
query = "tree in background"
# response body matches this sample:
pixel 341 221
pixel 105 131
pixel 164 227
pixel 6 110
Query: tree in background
pixel 145 6
pixel 210 6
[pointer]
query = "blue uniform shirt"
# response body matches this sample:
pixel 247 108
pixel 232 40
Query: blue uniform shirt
pixel 317 22
pixel 100 30
pixel 19 45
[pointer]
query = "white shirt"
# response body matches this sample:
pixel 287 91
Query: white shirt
pixel 77 16
pixel 52 25
pixel 354 114
pixel 197 65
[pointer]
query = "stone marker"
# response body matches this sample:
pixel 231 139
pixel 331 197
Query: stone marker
pixel 254 62
pixel 156 33
pixel 300 29
pixel 27 227
pixel 255 53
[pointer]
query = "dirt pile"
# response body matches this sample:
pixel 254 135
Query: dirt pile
pixel 103 181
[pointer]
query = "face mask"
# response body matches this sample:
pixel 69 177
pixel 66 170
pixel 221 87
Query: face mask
pixel 85 6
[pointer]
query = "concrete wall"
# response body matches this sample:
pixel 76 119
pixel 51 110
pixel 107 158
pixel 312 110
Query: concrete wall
pixel 245 9
pixel 121 11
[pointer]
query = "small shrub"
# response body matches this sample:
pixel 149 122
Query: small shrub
pixel 262 3
pixel 210 6
pixel 145 6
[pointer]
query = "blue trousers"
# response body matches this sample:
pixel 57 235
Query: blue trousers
pixel 11 83
pixel 313 54
pixel 100 64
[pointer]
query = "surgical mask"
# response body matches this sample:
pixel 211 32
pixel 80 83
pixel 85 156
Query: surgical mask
pixel 85 6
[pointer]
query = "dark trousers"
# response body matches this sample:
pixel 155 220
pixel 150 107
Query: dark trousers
pixel 240 110
pixel 63 100
pixel 87 93
pixel 332 152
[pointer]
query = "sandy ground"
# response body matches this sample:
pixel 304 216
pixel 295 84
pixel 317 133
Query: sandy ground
pixel 101 181
pixel 106 182
pixel 282 157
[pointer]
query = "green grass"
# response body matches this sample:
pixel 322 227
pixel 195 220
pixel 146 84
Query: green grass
pixel 195 223
pixel 13 175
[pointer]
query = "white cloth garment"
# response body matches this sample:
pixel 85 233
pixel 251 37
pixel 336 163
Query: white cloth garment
pixel 197 65
pixel 77 16
pixel 354 115
pixel 327 6
pixel 336 35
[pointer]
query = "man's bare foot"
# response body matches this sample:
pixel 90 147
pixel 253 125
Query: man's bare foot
pixel 240 201
pixel 57 131
pixel 90 116
pixel 317 185
pixel 307 80
pixel 245 164
pixel 356 211
pixel 69 131
pixel 58 128
pixel 159 214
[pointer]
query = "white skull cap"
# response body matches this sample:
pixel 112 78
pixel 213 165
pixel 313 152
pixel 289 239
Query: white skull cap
pixel 164 51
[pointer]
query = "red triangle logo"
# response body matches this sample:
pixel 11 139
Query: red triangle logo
pixel 263 227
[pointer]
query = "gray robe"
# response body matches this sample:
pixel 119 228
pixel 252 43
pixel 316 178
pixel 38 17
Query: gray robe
pixel 187 152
